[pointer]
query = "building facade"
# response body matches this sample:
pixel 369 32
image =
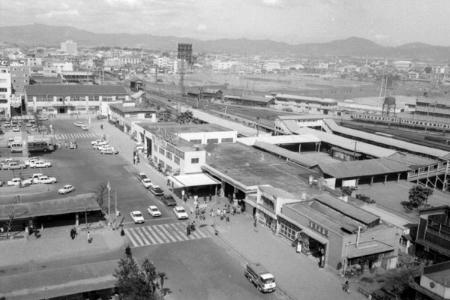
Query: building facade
pixel 63 99
pixel 296 103
pixel 69 47
pixel 5 91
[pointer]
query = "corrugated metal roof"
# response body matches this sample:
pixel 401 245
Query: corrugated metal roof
pixel 248 98
pixel 390 142
pixel 348 144
pixel 348 209
pixel 360 168
pixel 74 90
pixel 305 98
pixel 73 204
pixel 292 156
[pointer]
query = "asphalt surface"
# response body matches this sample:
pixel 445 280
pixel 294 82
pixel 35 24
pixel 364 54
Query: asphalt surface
pixel 196 269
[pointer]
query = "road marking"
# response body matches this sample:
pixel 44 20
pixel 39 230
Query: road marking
pixel 161 234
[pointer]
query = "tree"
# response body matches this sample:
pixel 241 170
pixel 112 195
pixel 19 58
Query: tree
pixel 185 117
pixel 418 196
pixel 137 283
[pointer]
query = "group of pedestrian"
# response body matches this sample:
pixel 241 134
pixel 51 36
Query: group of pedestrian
pixel 136 159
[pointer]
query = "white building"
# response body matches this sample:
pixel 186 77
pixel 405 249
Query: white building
pixel 296 103
pixel 69 47
pixel 181 149
pixel 5 91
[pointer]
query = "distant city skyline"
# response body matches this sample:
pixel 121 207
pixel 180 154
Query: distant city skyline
pixel 385 22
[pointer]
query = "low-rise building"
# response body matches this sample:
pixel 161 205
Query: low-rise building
pixel 127 114
pixel 341 233
pixel 433 233
pixel 433 283
pixel 5 92
pixel 297 103
pixel 63 99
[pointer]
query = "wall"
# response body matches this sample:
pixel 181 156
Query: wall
pixel 438 289
pixel 204 136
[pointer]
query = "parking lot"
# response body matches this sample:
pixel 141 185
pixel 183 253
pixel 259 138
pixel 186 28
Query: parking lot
pixel 87 170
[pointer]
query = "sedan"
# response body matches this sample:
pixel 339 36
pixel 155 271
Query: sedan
pixel 47 180
pixel 154 211
pixel 109 150
pixel 146 182
pixel 137 217
pixel 180 212
pixel 16 129
pixel 85 127
pixel 168 200
pixel 14 182
pixel 78 124
pixel 40 164
pixel 66 189
pixel 156 190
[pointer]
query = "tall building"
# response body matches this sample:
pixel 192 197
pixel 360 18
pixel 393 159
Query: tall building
pixel 20 77
pixel 5 91
pixel 69 47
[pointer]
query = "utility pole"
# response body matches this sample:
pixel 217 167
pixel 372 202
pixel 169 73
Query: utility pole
pixel 115 204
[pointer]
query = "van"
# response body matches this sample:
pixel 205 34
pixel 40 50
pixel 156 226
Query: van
pixel 260 277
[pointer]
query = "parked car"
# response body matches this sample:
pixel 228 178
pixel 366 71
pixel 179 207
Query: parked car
pixel 109 150
pixel 93 143
pixel 78 124
pixel 137 217
pixel 101 144
pixel 31 160
pixel 13 165
pixel 154 211
pixel 84 127
pixel 35 177
pixel 66 189
pixel 180 213
pixel 168 200
pixel 46 179
pixel 14 182
pixel 260 277
pixel 16 129
pixel 156 190
pixel 40 164
pixel 73 145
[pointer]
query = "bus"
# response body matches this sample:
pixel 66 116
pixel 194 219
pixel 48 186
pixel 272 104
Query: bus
pixel 35 144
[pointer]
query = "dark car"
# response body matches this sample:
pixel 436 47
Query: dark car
pixel 168 200
pixel 156 190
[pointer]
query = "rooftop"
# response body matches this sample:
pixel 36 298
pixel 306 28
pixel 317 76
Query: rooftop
pixel 386 141
pixel 360 168
pixel 250 167
pixel 71 204
pixel 439 273
pixel 74 90
pixel 120 107
pixel 305 98
pixel 248 98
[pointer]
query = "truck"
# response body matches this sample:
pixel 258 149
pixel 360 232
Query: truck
pixel 260 277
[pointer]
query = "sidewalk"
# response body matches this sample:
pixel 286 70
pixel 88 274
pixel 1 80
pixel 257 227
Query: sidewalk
pixel 298 275
pixel 55 244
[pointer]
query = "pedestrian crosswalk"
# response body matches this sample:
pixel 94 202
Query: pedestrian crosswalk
pixel 162 234
pixel 75 136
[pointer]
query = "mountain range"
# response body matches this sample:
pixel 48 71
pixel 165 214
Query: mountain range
pixel 46 35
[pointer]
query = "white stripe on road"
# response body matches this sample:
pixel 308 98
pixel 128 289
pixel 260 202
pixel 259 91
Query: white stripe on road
pixel 143 235
pixel 167 234
pixel 161 234
pixel 177 231
pixel 155 235
pixel 132 237
pixel 149 235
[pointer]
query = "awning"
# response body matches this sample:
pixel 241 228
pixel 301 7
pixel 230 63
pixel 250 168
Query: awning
pixel 189 180
pixel 368 248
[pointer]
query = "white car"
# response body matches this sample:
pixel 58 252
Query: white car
pixel 32 160
pixel 35 177
pixel 180 212
pixel 66 189
pixel 17 181
pixel 99 145
pixel 154 211
pixel 84 127
pixel 47 180
pixel 93 143
pixel 108 150
pixel 40 164
pixel 146 182
pixel 137 217
pixel 78 124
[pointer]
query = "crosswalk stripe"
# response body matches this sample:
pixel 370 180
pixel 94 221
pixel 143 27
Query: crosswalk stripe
pixel 180 225
pixel 132 237
pixel 154 235
pixel 167 234
pixel 138 237
pixel 178 231
pixel 161 234
pixel 149 234
pixel 132 240
pixel 143 235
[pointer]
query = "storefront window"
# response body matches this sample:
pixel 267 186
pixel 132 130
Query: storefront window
pixel 288 230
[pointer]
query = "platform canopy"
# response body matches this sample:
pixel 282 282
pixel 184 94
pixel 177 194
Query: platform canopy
pixel 191 180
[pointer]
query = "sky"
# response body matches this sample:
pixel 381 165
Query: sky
pixel 387 22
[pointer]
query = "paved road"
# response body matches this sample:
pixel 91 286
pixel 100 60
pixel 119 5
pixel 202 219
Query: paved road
pixel 196 267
